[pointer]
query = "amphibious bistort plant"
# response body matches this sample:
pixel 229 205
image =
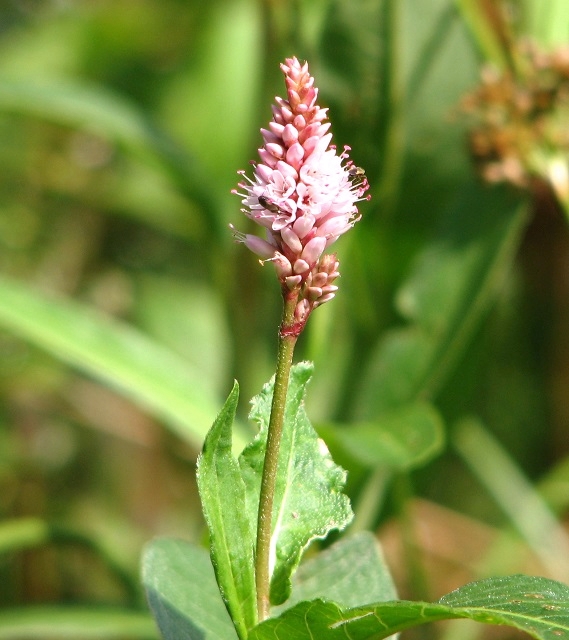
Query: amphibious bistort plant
pixel 284 490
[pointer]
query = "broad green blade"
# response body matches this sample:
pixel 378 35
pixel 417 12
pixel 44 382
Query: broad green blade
pixel 101 111
pixel 476 16
pixel 538 606
pixel 453 283
pixel 351 572
pixel 224 503
pixel 514 493
pixel 182 592
pixel 61 622
pixel 114 353
pixel 309 502
pixel 547 22
pixel 398 440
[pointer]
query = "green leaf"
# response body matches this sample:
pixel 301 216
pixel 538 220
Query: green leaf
pixel 547 22
pixel 116 354
pixel 554 486
pixel 183 593
pixel 166 308
pixel 538 606
pixel 309 501
pixel 484 31
pixel 194 100
pixel 98 110
pixel 515 494
pixel 224 503
pixel 398 440
pixel 454 281
pixel 350 572
pixel 77 623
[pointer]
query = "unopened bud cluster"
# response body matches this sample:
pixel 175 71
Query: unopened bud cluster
pixel 302 192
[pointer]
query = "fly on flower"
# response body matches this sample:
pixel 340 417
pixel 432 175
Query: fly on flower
pixel 357 175
pixel 267 204
pixel 303 192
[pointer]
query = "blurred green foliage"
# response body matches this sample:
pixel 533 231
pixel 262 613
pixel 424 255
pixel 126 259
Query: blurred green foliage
pixel 126 310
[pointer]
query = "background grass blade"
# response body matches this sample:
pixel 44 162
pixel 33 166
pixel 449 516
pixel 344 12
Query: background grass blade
pixel 116 354
pixel 62 622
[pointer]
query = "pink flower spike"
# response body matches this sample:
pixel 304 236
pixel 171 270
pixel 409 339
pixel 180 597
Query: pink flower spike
pixel 269 136
pixel 320 279
pixel 303 192
pixel 299 122
pixel 267 158
pixel 263 172
pixel 325 298
pixel 313 293
pixel 330 288
pixel 287 170
pixel 333 227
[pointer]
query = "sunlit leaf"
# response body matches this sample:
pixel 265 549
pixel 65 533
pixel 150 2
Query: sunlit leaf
pixel 538 606
pixel 308 496
pixel 224 503
pixel 351 572
pixel 183 593
pixel 99 110
pixel 115 353
pixel 454 281
pixel 61 622
pixel 397 440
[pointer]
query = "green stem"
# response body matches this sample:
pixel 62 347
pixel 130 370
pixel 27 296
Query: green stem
pixel 287 342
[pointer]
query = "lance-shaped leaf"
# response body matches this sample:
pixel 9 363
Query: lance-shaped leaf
pixel 224 504
pixel 115 353
pixel 397 440
pixel 308 496
pixel 454 282
pixel 538 606
pixel 182 592
pixel 70 622
pixel 350 572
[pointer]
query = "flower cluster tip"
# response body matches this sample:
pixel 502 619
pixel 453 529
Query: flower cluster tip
pixel 303 193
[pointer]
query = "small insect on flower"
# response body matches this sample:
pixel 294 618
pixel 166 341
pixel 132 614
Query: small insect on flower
pixel 357 175
pixel 268 205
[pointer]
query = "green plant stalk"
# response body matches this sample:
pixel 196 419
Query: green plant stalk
pixel 287 342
